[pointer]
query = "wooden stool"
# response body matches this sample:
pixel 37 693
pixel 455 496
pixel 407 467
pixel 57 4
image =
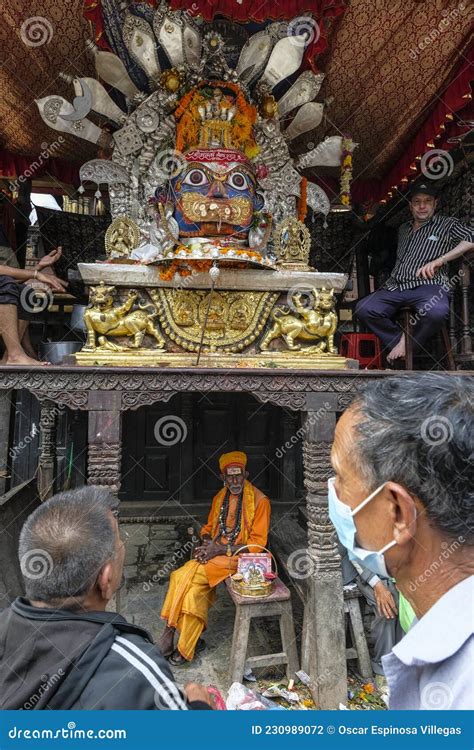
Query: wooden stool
pixel 359 649
pixel 278 604
pixel 406 313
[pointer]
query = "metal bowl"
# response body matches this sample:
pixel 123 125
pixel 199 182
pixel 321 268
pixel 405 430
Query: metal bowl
pixel 55 351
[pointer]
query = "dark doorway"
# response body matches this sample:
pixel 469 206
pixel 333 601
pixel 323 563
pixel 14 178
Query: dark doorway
pixel 171 450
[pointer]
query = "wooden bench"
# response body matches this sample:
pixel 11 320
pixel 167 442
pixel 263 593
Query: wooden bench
pixel 278 604
pixel 289 538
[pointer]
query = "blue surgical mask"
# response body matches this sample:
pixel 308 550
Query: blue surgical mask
pixel 342 518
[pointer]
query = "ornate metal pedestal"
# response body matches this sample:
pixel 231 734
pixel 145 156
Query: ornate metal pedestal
pixel 247 318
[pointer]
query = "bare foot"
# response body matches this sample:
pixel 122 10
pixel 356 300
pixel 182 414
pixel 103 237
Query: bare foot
pixel 23 359
pixel 28 349
pixel 398 351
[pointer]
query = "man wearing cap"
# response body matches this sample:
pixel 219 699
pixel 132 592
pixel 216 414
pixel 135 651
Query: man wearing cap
pixel 419 279
pixel 240 515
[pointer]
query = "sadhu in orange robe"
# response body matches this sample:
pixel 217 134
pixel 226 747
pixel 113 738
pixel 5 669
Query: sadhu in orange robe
pixel 192 587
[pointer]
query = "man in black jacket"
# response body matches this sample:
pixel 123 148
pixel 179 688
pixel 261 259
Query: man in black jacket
pixel 59 648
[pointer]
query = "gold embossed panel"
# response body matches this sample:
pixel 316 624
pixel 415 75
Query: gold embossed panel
pixel 234 319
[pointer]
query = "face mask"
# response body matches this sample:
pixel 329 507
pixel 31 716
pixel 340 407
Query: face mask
pixel 342 518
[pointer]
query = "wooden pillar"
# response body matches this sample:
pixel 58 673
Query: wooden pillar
pixel 104 455
pixel 186 450
pixel 47 447
pixel 466 340
pixel 290 429
pixel 325 614
pixel 5 411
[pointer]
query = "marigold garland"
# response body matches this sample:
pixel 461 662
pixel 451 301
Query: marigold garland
pixel 348 146
pixel 185 267
pixel 189 121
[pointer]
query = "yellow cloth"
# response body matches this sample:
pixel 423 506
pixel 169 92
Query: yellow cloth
pixel 192 587
pixel 187 604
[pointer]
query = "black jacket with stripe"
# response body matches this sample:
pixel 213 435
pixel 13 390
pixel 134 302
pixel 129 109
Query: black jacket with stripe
pixel 57 659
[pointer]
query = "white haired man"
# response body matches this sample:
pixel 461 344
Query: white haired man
pixel 59 647
pixel 402 504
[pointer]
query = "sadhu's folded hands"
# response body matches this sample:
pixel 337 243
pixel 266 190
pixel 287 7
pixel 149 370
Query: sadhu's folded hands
pixel 208 550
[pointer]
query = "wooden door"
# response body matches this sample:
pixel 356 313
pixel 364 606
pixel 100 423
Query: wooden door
pixel 186 469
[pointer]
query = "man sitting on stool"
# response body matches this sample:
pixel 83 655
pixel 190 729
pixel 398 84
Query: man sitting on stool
pixel 382 597
pixel 419 278
pixel 240 515
pixel 14 313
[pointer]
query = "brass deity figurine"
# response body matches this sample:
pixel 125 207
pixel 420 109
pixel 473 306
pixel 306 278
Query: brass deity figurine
pixel 317 322
pixel 121 237
pixel 106 319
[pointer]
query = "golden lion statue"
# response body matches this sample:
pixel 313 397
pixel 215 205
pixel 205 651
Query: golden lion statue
pixel 311 323
pixel 103 318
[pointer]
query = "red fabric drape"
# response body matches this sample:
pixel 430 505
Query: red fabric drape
pixel 453 100
pixel 13 166
pixel 260 10
pixel 323 12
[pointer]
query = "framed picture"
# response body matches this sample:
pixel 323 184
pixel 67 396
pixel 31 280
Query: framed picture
pixel 251 562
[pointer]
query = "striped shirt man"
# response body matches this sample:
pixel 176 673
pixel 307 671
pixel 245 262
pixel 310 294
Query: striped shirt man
pixel 417 247
pixel 419 279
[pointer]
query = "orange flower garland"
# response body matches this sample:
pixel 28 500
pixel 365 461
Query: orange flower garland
pixel 189 120
pixel 185 267
pixel 346 170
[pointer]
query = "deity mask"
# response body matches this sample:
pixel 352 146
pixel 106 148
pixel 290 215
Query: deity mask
pixel 215 194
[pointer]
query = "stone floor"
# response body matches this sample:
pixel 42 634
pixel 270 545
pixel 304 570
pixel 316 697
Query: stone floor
pixel 156 547
pixel 153 550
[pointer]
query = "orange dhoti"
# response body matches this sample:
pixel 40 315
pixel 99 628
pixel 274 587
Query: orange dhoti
pixel 190 594
pixel 192 587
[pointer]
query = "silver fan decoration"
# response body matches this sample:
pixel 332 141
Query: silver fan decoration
pixel 144 135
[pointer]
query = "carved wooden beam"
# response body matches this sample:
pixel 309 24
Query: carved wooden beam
pixel 324 618
pixel 104 465
pixel 47 450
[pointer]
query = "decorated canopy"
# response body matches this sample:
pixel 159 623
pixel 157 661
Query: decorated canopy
pixel 397 75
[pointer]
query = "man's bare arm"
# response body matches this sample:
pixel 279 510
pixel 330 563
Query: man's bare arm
pixel 428 271
pixel 20 274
